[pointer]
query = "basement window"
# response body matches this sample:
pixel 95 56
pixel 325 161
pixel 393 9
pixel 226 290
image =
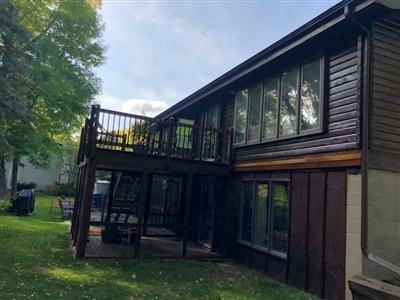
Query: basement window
pixel 264 216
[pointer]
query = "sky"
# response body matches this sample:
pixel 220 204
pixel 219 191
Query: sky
pixel 162 51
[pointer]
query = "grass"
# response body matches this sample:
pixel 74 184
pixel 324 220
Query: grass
pixel 36 262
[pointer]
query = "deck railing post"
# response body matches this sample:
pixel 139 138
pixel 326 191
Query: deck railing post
pixel 168 151
pixel 94 123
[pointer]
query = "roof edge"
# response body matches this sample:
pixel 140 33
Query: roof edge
pixel 257 60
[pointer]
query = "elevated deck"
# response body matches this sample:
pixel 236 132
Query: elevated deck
pixel 126 141
pixel 138 151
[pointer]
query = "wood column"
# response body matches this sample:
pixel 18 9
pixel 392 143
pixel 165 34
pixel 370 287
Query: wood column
pixel 86 207
pixel 186 222
pixel 78 196
pixel 106 215
pixel 142 205
pixel 147 209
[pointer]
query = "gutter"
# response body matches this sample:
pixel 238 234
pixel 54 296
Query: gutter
pixel 367 84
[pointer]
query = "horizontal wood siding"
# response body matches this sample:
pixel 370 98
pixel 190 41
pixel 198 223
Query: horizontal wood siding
pixel 317 233
pixel 341 115
pixel 228 111
pixel 385 108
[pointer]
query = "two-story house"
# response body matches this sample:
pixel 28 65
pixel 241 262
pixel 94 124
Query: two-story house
pixel 289 163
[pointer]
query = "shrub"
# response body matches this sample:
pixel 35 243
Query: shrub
pixel 5 206
pixel 58 189
pixel 25 186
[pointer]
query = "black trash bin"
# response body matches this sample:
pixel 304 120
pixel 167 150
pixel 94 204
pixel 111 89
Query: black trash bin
pixel 24 202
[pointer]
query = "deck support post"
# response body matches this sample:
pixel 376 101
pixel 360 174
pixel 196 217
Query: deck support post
pixel 85 210
pixel 147 211
pixel 186 221
pixel 142 205
pixel 78 199
pixel 107 207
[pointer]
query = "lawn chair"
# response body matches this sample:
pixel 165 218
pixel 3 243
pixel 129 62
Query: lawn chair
pixel 67 207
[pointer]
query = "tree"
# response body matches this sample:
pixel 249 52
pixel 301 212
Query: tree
pixel 62 84
pixel 16 55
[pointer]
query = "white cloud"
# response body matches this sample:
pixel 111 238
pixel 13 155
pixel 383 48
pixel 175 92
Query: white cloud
pixel 110 102
pixel 140 106
pixel 165 51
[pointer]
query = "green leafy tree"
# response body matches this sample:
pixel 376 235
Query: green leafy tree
pixel 16 56
pixel 62 83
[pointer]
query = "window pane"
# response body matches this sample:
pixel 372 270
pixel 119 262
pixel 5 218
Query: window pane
pixel 254 114
pixel 311 95
pixel 212 115
pixel 280 212
pixel 246 212
pixel 240 116
pixel 289 103
pixel 261 222
pixel 210 135
pixel 270 108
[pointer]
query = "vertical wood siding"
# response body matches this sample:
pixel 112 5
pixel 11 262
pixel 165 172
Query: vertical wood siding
pixel 317 234
pixel 385 112
pixel 341 115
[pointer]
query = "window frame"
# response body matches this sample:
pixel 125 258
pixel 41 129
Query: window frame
pixel 206 117
pixel 298 132
pixel 322 95
pixel 235 118
pixel 270 215
pixel 249 93
pixel 277 114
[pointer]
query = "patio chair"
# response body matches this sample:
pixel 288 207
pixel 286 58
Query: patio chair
pixel 67 207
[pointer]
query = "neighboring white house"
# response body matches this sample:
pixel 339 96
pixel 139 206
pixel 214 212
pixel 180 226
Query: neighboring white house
pixel 58 171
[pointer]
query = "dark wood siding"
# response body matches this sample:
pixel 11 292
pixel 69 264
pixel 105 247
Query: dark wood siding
pixel 341 112
pixel 316 244
pixel 228 111
pixel 335 236
pixel 385 108
pixel 298 230
pixel 317 233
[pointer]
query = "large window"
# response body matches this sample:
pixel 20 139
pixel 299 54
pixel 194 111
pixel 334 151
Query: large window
pixel 264 215
pixel 286 105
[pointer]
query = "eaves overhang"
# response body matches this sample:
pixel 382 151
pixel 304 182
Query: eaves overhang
pixel 316 26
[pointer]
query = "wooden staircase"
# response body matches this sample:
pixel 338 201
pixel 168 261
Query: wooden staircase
pixel 125 199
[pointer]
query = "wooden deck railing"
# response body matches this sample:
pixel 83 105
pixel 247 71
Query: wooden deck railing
pixel 119 131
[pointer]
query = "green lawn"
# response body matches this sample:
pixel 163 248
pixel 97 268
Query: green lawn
pixel 36 262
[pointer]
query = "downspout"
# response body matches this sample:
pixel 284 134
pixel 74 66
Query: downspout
pixel 364 142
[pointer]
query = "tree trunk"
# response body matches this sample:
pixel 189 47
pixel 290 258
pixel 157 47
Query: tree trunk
pixel 14 176
pixel 3 179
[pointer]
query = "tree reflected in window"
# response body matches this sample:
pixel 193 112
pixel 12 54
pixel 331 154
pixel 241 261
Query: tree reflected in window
pixel 241 116
pixel 311 95
pixel 289 103
pixel 254 113
pixel 264 215
pixel 270 108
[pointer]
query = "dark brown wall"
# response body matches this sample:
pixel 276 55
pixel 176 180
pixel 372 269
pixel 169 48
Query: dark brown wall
pixel 317 233
pixel 341 111
pixel 385 107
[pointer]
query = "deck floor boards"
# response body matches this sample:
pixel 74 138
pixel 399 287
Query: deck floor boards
pixel 151 247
